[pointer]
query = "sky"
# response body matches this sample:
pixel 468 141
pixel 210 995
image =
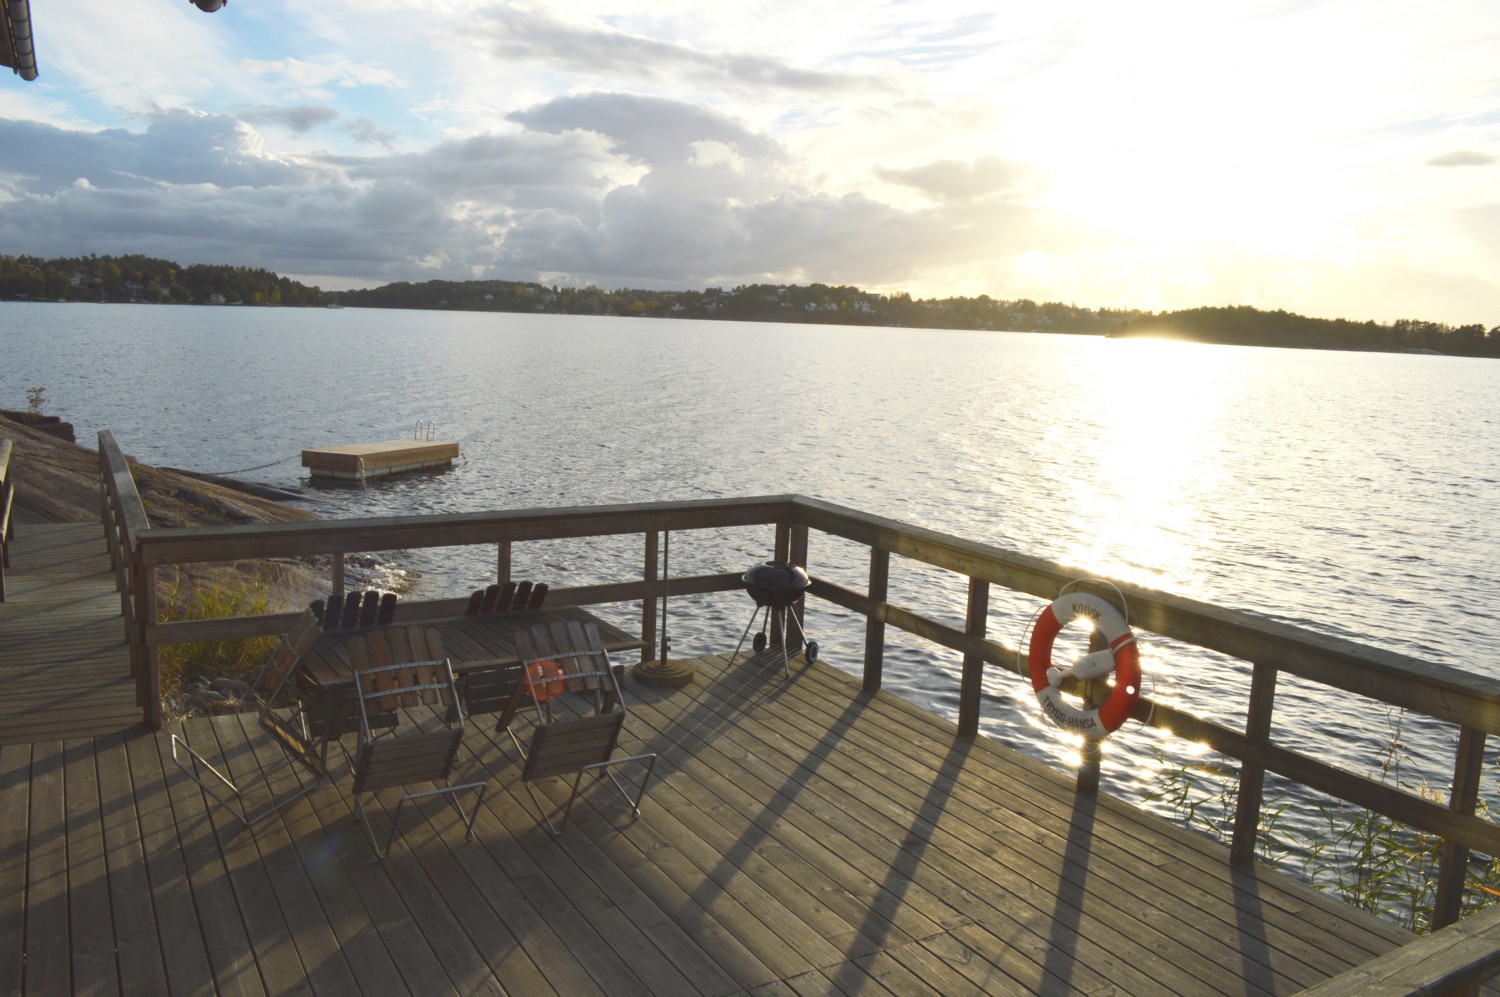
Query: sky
pixel 1335 158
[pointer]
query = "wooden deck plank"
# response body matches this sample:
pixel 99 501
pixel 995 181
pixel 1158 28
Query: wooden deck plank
pixel 184 954
pixel 849 818
pixel 618 913
pixel 297 912
pixel 785 849
pixel 1190 857
pixel 231 955
pixel 91 930
pixel 132 912
pixel 591 871
pixel 605 943
pixel 15 844
pixel 362 902
pixel 1061 867
pixel 48 968
pixel 1050 874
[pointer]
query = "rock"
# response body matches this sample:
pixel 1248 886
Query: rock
pixel 234 688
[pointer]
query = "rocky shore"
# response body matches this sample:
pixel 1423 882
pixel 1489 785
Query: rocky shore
pixel 58 482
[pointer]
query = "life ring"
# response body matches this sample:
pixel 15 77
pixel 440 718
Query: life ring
pixel 544 679
pixel 1121 657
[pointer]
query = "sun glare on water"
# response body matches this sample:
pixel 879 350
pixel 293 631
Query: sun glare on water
pixel 1144 498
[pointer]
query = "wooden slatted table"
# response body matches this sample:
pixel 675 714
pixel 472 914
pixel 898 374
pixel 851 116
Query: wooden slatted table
pixel 471 643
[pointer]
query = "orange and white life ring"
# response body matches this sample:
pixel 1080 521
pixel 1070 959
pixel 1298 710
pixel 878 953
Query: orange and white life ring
pixel 1121 657
pixel 544 679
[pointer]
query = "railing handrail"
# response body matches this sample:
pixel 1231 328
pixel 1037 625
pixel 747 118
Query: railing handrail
pixel 185 545
pixel 7 501
pixel 125 523
pixel 1369 671
pixel 120 486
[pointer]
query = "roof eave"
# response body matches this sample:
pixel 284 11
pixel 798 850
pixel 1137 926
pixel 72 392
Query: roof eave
pixel 17 50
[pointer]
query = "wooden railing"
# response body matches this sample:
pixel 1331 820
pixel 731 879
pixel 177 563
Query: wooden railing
pixel 1469 702
pixel 7 500
pixel 124 524
pixel 1453 962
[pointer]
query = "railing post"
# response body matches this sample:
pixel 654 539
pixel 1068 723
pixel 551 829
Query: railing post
pixel 336 581
pixel 782 552
pixel 145 613
pixel 797 554
pixel 975 620
pixel 880 576
pixel 502 562
pixel 1091 755
pixel 1453 861
pixel 648 604
pixel 1253 777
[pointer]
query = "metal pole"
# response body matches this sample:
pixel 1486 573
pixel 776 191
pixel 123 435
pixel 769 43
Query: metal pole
pixel 666 572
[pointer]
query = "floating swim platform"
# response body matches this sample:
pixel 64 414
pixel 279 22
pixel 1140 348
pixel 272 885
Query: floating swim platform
pixel 358 461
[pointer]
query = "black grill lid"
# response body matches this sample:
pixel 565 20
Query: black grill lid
pixel 776 583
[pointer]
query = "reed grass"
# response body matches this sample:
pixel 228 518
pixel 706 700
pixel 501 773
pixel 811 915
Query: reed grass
pixel 212 659
pixel 1368 860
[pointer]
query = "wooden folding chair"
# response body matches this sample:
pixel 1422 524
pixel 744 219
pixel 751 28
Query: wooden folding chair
pixel 356 609
pixel 571 659
pixel 423 746
pixel 282 716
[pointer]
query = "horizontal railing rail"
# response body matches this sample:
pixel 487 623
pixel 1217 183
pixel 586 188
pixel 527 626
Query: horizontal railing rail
pixel 1468 701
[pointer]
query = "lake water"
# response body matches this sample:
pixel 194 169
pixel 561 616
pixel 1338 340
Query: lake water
pixel 1354 494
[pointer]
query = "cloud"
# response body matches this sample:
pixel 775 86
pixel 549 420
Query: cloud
pixel 952 180
pixel 300 118
pixel 366 132
pixel 180 147
pixel 1462 158
pixel 617 55
pixel 314 79
pixel 653 130
pixel 616 189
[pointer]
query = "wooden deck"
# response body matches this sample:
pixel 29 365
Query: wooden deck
pixel 64 666
pixel 803 838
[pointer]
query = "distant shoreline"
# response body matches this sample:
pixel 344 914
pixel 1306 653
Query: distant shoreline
pixel 140 279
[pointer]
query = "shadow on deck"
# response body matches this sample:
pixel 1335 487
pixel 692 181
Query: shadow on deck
pixel 803 838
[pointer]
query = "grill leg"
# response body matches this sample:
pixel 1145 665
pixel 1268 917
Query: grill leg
pixel 753 614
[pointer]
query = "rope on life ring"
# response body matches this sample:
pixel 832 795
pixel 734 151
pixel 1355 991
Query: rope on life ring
pixel 1121 657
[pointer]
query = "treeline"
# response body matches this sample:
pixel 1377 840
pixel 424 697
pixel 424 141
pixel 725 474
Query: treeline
pixel 142 278
pixel 815 303
pixel 1245 326
pixel 146 279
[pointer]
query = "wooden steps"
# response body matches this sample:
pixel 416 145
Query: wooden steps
pixel 64 667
